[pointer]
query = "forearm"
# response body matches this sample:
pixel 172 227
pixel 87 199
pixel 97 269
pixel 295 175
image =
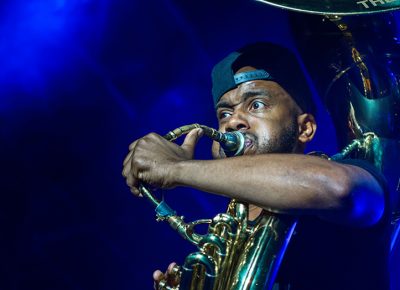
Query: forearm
pixel 289 183
pixel 278 181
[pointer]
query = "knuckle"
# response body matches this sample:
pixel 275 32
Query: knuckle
pixel 136 162
pixel 140 143
pixel 133 144
pixel 146 139
pixel 152 135
pixel 153 138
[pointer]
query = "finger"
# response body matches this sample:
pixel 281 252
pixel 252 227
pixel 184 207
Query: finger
pixel 126 170
pixel 136 192
pixel 130 168
pixel 131 149
pixel 157 277
pixel 170 267
pixel 133 183
pixel 217 151
pixel 133 145
pixel 131 179
pixel 128 158
pixel 191 140
pixel 171 275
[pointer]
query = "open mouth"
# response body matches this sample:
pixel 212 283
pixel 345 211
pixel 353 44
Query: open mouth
pixel 248 143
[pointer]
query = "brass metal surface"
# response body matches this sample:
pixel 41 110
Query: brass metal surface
pixel 235 253
pixel 336 7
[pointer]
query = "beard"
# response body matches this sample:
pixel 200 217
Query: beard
pixel 284 142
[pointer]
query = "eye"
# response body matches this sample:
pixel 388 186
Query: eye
pixel 224 114
pixel 257 105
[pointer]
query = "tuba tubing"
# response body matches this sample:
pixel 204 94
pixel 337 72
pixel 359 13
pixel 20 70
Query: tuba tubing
pixel 235 253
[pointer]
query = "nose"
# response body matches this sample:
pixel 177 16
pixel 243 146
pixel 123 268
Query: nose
pixel 238 121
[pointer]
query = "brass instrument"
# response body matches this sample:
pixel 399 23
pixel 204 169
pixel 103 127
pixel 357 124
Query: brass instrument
pixel 359 86
pixel 336 7
pixel 231 253
pixel 236 253
pixel 357 77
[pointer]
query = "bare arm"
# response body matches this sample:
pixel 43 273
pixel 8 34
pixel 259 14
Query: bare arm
pixel 290 183
pixel 286 183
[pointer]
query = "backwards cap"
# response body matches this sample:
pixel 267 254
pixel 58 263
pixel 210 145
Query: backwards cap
pixel 272 62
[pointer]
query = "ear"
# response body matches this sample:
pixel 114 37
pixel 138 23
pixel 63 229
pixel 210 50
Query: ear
pixel 307 127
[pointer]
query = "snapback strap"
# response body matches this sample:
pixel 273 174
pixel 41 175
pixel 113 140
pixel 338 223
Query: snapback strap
pixel 258 74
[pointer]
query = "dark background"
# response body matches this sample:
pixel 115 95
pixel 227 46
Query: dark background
pixel 79 81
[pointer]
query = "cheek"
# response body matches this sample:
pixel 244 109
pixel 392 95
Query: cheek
pixel 266 132
pixel 262 127
pixel 265 137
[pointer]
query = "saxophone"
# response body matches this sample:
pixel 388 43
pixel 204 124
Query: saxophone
pixel 230 254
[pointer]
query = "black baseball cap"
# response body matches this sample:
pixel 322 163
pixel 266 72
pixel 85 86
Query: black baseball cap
pixel 272 62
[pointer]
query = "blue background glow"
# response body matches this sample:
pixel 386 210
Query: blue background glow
pixel 79 81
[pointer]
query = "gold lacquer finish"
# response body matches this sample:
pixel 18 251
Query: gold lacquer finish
pixel 235 253
pixel 336 7
pixel 261 253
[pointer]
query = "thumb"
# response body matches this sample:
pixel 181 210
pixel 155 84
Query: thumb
pixel 191 140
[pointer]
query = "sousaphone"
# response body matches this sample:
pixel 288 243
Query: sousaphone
pixel 352 52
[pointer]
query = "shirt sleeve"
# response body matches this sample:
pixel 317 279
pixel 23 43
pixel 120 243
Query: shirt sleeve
pixel 377 174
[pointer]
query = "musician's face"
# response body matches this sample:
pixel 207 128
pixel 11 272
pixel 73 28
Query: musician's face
pixel 265 112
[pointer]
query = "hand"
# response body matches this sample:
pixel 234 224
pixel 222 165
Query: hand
pixel 170 276
pixel 151 160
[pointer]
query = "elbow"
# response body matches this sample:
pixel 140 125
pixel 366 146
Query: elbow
pixel 358 197
pixel 341 189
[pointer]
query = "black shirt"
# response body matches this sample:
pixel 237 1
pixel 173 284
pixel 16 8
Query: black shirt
pixel 326 256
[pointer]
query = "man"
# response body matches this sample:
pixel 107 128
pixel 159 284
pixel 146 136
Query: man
pixel 261 91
